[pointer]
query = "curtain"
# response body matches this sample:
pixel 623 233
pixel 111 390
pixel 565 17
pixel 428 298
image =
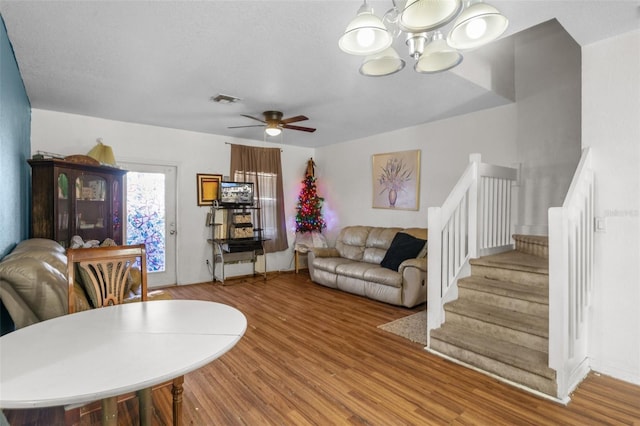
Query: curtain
pixel 263 167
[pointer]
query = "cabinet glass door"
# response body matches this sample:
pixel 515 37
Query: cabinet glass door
pixel 116 220
pixel 64 208
pixel 91 207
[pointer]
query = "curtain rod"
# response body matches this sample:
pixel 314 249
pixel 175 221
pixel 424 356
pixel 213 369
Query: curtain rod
pixel 229 143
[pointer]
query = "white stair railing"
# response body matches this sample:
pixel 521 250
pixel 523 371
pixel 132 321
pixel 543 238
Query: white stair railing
pixel 570 279
pixel 474 220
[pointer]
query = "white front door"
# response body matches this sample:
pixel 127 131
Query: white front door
pixel 151 218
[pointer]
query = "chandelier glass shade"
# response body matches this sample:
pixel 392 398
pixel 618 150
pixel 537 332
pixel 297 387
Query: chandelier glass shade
pixel 426 15
pixel 384 63
pixel 477 25
pixel 474 24
pixel 365 34
pixel 437 56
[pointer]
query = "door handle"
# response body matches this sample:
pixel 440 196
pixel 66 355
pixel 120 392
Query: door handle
pixel 172 228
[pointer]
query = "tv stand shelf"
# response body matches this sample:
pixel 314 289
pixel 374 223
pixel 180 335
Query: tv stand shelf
pixel 227 250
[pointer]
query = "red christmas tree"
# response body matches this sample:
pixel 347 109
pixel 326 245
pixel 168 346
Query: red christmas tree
pixel 309 216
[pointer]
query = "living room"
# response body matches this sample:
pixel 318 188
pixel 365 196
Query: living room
pixel 605 81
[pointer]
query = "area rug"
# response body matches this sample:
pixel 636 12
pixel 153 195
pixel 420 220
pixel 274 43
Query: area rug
pixel 412 327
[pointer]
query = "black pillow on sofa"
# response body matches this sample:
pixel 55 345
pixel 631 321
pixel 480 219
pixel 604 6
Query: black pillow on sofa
pixel 403 247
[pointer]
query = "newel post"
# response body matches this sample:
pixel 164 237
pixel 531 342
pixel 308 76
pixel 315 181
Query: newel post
pixel 474 202
pixel 435 311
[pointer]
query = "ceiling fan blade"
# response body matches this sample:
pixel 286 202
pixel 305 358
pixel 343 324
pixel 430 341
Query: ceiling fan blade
pixel 294 119
pixel 304 129
pixel 253 118
pixel 240 127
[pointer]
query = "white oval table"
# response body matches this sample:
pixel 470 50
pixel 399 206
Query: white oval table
pixel 102 353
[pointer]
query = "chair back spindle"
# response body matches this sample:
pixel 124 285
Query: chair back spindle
pixel 106 270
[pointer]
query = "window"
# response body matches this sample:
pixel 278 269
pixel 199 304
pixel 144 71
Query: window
pixel 267 201
pixel 262 166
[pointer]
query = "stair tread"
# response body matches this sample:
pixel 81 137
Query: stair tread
pixel 524 358
pixel 514 260
pixel 541 240
pixel 532 293
pixel 532 324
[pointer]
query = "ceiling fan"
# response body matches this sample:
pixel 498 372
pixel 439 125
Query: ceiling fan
pixel 274 123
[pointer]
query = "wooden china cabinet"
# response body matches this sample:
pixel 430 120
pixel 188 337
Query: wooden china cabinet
pixel 73 198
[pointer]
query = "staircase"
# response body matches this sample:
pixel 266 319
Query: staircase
pixel 500 321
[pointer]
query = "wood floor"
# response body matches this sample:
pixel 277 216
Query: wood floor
pixel 314 356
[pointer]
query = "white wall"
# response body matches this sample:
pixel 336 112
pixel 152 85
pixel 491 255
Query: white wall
pixel 611 126
pixel 547 69
pixel 192 153
pixel 344 171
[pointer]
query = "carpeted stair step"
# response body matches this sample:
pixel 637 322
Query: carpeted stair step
pixel 529 299
pixel 505 359
pixel 512 266
pixel 537 245
pixel 523 329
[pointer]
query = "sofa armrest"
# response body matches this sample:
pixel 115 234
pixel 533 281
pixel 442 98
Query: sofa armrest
pixel 325 252
pixel 420 263
pixel 414 281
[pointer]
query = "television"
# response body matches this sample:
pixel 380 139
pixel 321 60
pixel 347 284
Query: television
pixel 235 194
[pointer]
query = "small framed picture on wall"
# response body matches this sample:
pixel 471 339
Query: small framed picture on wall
pixel 208 185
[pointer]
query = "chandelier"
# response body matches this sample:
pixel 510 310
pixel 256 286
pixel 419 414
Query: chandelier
pixel 423 23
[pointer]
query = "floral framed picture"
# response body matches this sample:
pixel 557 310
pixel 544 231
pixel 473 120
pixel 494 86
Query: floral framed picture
pixel 207 188
pixel 396 180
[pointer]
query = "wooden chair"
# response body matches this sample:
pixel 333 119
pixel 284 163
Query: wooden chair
pixel 105 272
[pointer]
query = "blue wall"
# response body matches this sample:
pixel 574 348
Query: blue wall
pixel 15 148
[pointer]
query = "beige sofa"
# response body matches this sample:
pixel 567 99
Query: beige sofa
pixel 33 283
pixel 363 261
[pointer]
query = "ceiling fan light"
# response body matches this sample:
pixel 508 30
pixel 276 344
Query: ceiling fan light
pixel 427 15
pixel 438 56
pixel 477 25
pixel 380 64
pixel 365 34
pixel 273 129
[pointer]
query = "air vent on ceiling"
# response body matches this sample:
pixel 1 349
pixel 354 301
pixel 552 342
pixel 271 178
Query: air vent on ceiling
pixel 224 99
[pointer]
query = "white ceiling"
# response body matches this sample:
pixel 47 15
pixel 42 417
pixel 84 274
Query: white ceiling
pixel 159 62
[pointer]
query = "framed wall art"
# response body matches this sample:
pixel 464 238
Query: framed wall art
pixel 396 180
pixel 207 188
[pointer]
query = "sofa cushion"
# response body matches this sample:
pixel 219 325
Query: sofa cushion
pixel 380 275
pixel 403 247
pixel 351 241
pixel 354 269
pixel 42 287
pixel 54 258
pixel 422 233
pixel 329 264
pixel 370 272
pixel 378 242
pixel 381 237
pixel 20 313
pixel 40 243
